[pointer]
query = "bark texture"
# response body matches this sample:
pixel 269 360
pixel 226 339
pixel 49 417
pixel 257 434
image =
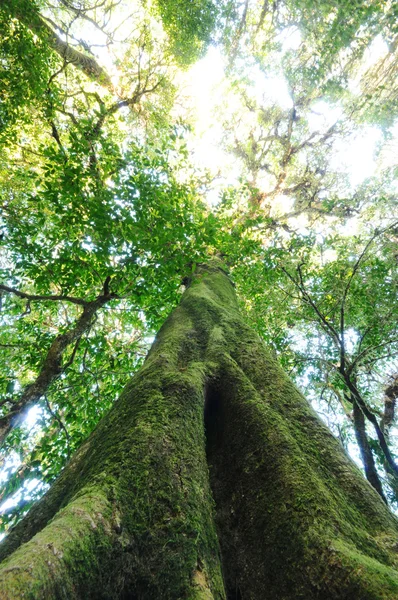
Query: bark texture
pixel 365 449
pixel 210 478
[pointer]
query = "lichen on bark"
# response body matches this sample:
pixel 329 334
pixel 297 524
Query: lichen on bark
pixel 210 478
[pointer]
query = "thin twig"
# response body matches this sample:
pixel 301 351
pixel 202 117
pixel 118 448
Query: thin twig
pixel 60 423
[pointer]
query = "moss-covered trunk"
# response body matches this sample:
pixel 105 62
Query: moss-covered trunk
pixel 210 478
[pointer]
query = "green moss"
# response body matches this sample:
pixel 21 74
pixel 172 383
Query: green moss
pixel 64 556
pixel 286 492
pixel 378 580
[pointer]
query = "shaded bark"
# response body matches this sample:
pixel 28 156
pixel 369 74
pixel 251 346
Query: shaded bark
pixel 390 400
pixel 386 422
pixel 133 514
pixel 373 419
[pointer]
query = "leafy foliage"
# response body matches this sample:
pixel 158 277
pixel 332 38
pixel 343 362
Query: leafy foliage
pixel 189 25
pixel 26 69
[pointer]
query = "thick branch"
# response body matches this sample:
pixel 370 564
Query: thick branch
pixel 365 450
pixel 372 418
pixel 87 64
pixel 391 396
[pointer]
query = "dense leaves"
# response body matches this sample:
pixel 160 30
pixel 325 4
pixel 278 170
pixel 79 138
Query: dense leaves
pixel 190 26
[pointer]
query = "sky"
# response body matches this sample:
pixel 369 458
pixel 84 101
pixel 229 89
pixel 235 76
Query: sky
pixel 205 84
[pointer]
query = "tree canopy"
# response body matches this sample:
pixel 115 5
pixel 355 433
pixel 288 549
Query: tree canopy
pixel 108 203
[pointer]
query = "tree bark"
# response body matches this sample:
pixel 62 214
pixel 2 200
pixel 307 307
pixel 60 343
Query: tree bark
pixel 210 478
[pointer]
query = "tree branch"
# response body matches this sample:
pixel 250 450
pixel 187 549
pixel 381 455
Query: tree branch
pixel 376 234
pixel 263 13
pixel 52 366
pixel 87 64
pixel 122 104
pixel 365 450
pixel 239 31
pixel 391 397
pixel 38 297
pixel 327 326
pixel 372 418
pixel 61 424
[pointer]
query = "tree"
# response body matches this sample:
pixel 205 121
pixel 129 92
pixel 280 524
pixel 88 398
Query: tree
pixel 132 515
pixel 70 178
pixel 104 213
pixel 348 345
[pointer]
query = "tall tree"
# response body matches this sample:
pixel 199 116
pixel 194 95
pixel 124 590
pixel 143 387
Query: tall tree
pixel 132 515
pixel 102 219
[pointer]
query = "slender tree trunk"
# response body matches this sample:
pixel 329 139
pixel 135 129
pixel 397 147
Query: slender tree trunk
pixel 210 478
pixel 365 449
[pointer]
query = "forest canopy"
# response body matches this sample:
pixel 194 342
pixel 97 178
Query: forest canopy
pixel 138 139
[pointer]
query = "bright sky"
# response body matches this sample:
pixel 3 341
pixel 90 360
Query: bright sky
pixel 206 88
pixel 355 155
pixel 203 86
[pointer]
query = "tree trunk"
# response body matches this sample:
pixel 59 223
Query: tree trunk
pixel 365 450
pixel 210 478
